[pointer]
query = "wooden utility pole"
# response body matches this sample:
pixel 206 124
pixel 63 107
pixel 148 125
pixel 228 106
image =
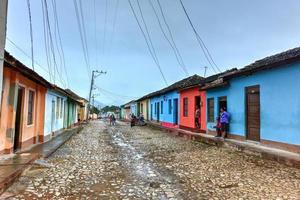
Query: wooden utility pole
pixel 3 22
pixel 95 74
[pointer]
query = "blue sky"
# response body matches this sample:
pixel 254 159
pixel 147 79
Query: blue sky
pixel 236 33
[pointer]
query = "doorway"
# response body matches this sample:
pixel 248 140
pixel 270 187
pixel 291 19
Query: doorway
pixel 175 113
pixel 253 113
pixel 19 121
pixel 52 117
pixel 222 103
pixel 157 111
pixel 197 105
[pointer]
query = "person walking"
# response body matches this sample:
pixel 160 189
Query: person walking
pixel 224 119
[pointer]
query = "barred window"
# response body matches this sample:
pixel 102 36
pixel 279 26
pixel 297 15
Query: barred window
pixel 211 110
pixel 185 107
pixel 30 107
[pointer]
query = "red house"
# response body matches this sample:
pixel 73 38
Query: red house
pixel 192 98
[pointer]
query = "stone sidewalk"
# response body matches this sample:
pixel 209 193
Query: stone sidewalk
pixel 11 166
pixel 285 157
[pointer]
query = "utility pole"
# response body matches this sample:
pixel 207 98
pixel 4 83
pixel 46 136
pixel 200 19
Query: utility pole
pixel 3 22
pixel 95 74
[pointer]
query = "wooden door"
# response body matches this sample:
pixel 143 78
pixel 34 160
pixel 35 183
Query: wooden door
pixel 253 113
pixel 18 120
pixel 175 111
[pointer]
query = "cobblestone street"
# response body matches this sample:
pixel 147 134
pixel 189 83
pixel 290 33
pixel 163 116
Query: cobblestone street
pixel 104 162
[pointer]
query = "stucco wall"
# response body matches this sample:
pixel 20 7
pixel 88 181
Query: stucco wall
pixel 189 120
pixel 145 108
pixel 279 103
pixel 133 109
pixel 53 123
pixel 29 133
pixel 165 116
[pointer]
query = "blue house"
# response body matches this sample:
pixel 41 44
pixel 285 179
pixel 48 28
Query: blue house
pixel 55 107
pixel 165 108
pixel 133 108
pixel 263 100
pixel 164 104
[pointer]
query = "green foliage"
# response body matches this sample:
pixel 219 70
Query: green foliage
pixel 95 110
pixel 110 109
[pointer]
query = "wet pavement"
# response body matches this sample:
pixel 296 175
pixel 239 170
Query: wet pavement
pixel 104 162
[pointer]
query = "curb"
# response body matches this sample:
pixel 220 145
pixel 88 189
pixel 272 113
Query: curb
pixel 284 157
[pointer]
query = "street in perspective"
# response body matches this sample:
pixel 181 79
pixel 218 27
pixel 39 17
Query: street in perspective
pixel 119 162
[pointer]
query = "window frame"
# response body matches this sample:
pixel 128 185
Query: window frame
pixel 211 109
pixel 161 107
pixel 170 106
pixel 30 107
pixel 185 106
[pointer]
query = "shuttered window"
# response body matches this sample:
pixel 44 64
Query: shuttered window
pixel 170 106
pixel 185 107
pixel 161 107
pixel 211 110
pixel 30 107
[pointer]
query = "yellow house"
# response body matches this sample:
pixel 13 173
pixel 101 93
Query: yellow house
pixel 143 108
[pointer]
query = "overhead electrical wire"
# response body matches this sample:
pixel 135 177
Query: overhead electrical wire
pixel 105 27
pixel 147 42
pixel 200 41
pixel 115 94
pixel 85 54
pixel 52 44
pixel 114 25
pixel 31 34
pixel 28 56
pixel 168 40
pixel 95 32
pixel 171 36
pixel 49 64
pixel 60 46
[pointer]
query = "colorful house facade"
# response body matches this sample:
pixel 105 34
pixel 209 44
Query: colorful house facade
pixel 191 98
pixel 165 109
pixel 23 106
pixel 54 112
pixel 143 105
pixel 263 100
pixel 133 108
pixel 164 106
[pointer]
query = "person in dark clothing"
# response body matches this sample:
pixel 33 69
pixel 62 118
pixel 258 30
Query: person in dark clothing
pixel 133 120
pixel 224 119
pixel 218 127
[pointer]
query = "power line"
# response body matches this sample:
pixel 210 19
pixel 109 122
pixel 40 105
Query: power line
pixel 60 40
pixel 114 25
pixel 200 41
pixel 168 40
pixel 82 39
pixel 51 44
pixel 31 35
pixel 115 94
pixel 105 27
pixel 171 36
pixel 27 55
pixel 46 43
pixel 148 45
pixel 95 32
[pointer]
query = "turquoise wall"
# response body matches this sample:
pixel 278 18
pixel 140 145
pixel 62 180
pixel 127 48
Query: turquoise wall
pixel 165 116
pixel 279 103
